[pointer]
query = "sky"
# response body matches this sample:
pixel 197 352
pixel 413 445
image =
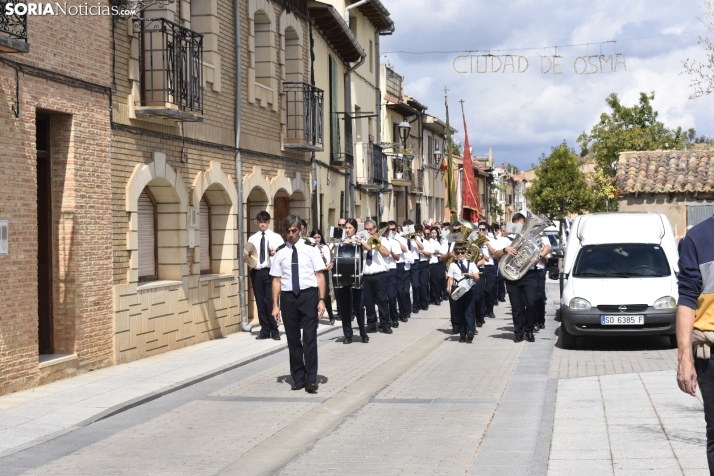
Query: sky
pixel 523 115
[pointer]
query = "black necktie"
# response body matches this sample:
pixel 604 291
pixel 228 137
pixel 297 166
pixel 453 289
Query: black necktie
pixel 369 257
pixel 464 269
pixel 409 244
pixel 262 248
pixel 295 272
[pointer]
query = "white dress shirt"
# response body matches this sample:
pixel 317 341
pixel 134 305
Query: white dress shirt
pixel 407 256
pixel 309 263
pixel 272 241
pixel 325 253
pixel 435 250
pixel 455 270
pixel 487 253
pixel 394 248
pixel 379 262
pixel 543 263
pixel 427 247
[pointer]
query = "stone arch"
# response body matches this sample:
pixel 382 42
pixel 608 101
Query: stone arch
pixel 291 47
pixel 222 195
pixel 168 188
pixel 262 80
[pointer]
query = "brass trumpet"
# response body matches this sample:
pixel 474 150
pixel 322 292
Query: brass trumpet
pixel 410 236
pixel 374 242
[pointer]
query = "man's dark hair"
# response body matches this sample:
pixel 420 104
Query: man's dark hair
pixel 459 246
pixel 418 227
pixel 303 223
pixel 263 216
pixel 518 217
pixel 382 224
pixel 456 223
pixel 392 222
pixel 291 220
pixel 407 222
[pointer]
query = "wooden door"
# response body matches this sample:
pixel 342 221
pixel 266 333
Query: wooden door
pixel 44 237
pixel 282 210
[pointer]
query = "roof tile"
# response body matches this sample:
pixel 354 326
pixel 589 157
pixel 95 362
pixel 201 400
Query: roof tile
pixel 665 171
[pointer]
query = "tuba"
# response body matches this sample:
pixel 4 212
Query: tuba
pixel 528 246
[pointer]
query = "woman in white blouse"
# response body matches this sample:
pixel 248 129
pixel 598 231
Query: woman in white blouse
pixel 327 258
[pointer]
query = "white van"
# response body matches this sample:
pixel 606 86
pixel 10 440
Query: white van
pixel 619 277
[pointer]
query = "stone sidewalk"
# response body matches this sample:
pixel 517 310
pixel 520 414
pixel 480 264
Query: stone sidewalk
pixel 42 413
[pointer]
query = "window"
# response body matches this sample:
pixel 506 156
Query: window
pixel 370 59
pixel 263 50
pixel 613 261
pixel 204 217
pixel 429 149
pixel 147 236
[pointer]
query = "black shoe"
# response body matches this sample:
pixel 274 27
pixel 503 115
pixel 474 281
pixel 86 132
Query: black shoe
pixel 425 308
pixel 462 339
pixel 415 310
pixel 491 315
pixel 395 324
pixel 454 331
pixel 276 337
pixel 311 388
pixel 387 331
pixel 495 303
pixel 518 339
pixel 437 303
pixel 475 332
pixel 479 324
pixel 370 331
pixel 332 322
pixel 347 340
pixel 404 319
pixel 535 328
pixel 297 386
pixel 502 300
pixel 469 337
pixel 542 326
pixel 262 337
pixel 530 337
pixel 365 339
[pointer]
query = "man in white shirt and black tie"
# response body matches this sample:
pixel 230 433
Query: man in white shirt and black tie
pixel 299 295
pixel 265 242
pixel 375 280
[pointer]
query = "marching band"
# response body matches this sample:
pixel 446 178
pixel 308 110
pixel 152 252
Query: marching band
pixel 386 273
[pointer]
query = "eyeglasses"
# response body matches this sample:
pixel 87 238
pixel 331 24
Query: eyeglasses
pixel 459 252
pixel 482 229
pixel 368 229
pixel 392 229
pixel 341 225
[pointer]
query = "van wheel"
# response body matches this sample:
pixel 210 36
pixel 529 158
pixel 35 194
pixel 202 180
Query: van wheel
pixel 673 341
pixel 567 340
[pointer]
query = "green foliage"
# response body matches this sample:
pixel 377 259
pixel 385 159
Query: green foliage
pixel 559 187
pixel 496 209
pixel 628 129
pixel 511 169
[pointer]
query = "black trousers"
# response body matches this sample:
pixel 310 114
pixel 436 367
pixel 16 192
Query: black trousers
pixel 347 300
pixel 501 283
pixel 478 297
pixel 263 291
pixel 328 298
pixel 489 289
pixel 435 274
pixel 392 295
pixel 444 294
pixel 300 312
pixel 403 277
pixel 523 294
pixel 375 293
pixel 416 286
pixel 462 313
pixel 540 302
pixel 423 284
pixel 705 377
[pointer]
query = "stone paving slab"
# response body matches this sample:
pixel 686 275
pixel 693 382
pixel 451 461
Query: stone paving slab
pixel 627 424
pixel 31 416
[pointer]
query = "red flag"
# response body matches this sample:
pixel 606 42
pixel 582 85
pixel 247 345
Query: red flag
pixel 470 203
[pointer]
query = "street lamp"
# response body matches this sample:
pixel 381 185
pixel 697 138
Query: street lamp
pixel 404 129
pixel 437 154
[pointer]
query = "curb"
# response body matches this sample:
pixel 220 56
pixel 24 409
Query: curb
pixel 135 402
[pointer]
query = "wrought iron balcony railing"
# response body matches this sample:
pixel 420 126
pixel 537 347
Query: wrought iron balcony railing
pixel 377 173
pixel 13 27
pixel 401 169
pixel 341 158
pixel 418 182
pixel 303 117
pixel 171 64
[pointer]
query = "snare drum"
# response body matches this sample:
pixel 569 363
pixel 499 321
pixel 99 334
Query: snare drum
pixel 462 288
pixel 347 272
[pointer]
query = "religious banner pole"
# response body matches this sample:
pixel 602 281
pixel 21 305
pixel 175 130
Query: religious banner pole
pixel 470 203
pixel 450 183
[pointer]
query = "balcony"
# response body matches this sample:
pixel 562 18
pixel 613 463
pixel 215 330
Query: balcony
pixel 303 117
pixel 13 29
pixel 402 170
pixel 395 84
pixel 418 182
pixel 377 172
pixel 171 65
pixel 341 159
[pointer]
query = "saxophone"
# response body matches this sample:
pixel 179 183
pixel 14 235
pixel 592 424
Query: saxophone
pixel 528 246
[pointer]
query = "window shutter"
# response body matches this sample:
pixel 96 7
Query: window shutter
pixel 147 236
pixel 205 228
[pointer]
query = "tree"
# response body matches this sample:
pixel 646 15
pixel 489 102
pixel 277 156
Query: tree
pixel 496 209
pixel 702 74
pixel 559 187
pixel 626 129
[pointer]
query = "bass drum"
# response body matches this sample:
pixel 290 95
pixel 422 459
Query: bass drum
pixel 347 272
